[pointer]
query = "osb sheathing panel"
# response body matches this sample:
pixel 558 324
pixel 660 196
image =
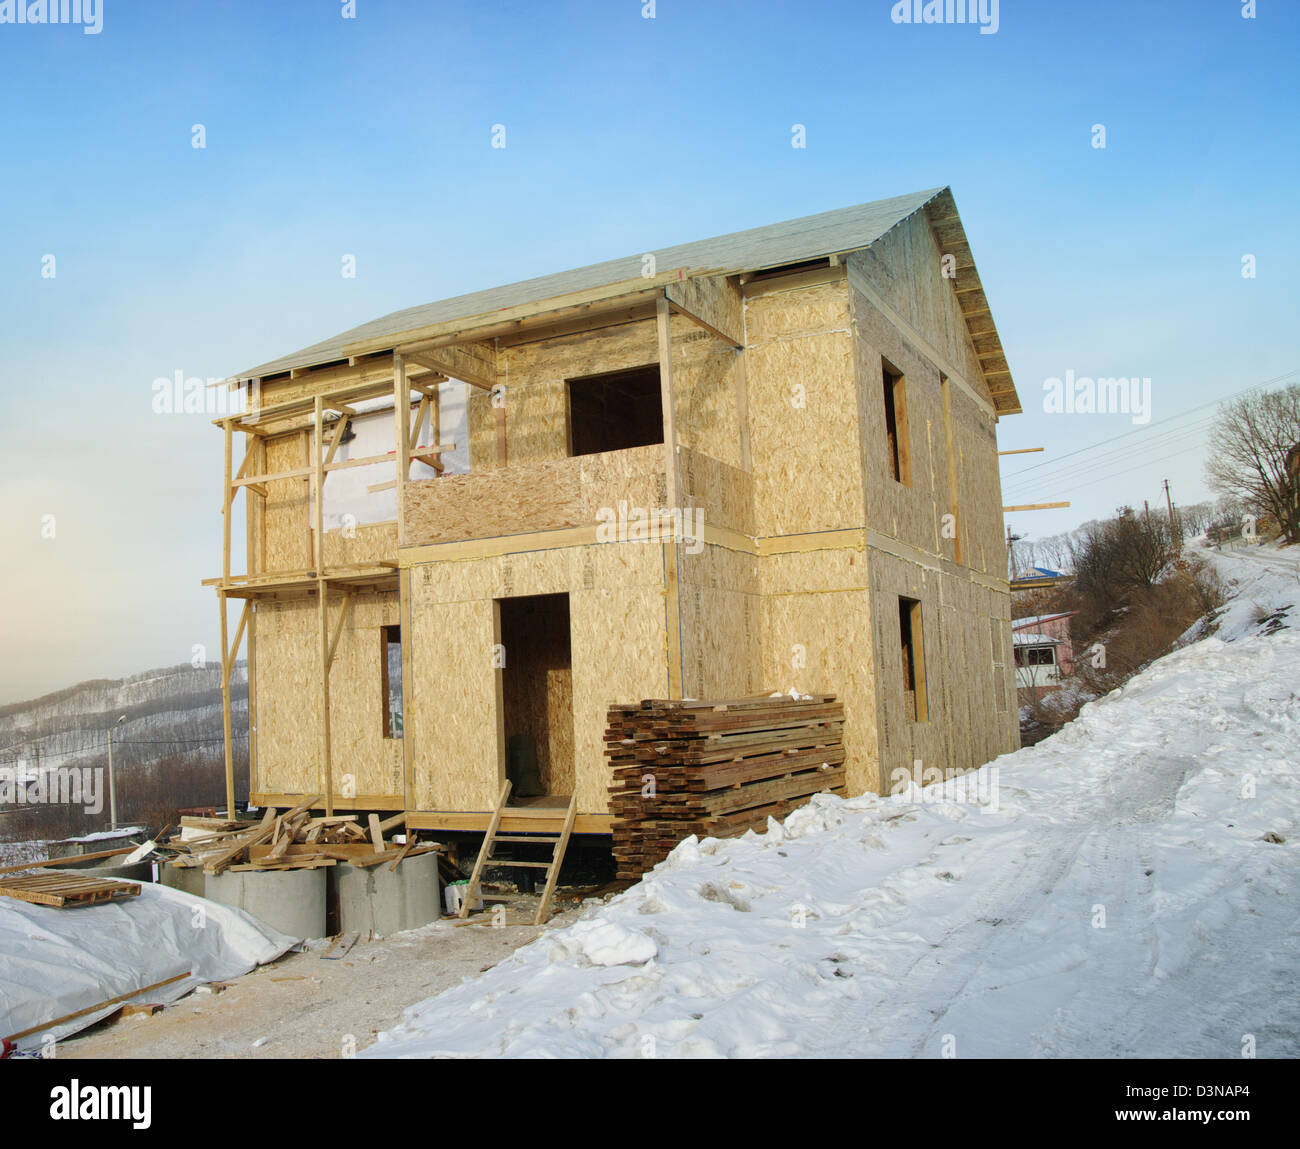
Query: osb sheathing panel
pixel 720 622
pixel 370 543
pixel 705 381
pixel 915 512
pixel 907 511
pixel 822 641
pixel 288 697
pixel 288 703
pixel 706 377
pixel 532 497
pixel 905 268
pixel 357 744
pixel 287 536
pixel 965 726
pixel 803 412
pixel 618 645
pixel 724 493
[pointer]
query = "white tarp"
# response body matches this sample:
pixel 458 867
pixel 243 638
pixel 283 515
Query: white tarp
pixel 54 962
pixel 348 499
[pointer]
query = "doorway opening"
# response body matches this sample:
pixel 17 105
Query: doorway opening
pixel 537 697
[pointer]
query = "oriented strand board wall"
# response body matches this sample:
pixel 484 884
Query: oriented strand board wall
pixel 803 410
pixel 706 377
pixel 619 652
pixel 970 698
pixel 821 639
pixel 904 268
pixel 720 620
pixel 968 685
pixel 288 699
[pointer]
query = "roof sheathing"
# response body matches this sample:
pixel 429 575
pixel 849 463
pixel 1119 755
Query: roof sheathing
pixel 793 241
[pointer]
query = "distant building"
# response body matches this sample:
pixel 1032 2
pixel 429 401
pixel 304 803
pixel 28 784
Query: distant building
pixel 1044 653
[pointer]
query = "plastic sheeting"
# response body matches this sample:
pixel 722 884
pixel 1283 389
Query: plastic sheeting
pixel 54 962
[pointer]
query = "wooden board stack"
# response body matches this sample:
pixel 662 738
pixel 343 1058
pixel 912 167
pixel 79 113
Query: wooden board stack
pixel 718 768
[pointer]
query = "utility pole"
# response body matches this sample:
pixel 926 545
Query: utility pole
pixel 1175 528
pixel 112 778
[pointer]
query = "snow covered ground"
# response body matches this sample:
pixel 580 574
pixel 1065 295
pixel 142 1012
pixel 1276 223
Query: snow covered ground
pixel 1123 889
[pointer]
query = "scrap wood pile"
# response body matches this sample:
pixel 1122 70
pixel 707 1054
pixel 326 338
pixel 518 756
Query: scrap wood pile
pixel 715 769
pixel 289 840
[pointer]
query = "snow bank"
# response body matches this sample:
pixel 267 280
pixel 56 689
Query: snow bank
pixel 1122 893
pixel 57 961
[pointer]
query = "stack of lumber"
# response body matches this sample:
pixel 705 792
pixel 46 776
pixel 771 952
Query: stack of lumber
pixel 718 768
pixel 291 840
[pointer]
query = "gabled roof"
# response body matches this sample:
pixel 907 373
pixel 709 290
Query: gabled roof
pixel 794 241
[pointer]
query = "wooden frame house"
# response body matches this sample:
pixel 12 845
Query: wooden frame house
pixel 814 403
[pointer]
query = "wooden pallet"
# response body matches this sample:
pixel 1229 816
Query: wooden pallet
pixel 62 890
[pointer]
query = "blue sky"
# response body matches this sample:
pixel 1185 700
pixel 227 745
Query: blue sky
pixel 371 137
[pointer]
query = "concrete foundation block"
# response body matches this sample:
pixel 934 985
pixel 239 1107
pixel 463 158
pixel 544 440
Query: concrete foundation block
pixel 374 900
pixel 291 901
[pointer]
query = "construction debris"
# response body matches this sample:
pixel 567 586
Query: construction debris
pixel 293 840
pixel 715 769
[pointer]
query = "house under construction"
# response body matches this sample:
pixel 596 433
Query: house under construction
pixel 765 461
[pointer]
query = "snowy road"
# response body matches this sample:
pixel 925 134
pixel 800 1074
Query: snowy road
pixel 1123 894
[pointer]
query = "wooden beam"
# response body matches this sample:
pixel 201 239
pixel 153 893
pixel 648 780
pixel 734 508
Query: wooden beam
pixel 401 441
pixel 487 325
pixel 471 363
pixel 337 437
pixel 344 611
pixel 100 1005
pixel 228 656
pixel 1033 507
pixel 228 498
pixel 226 731
pixel 672 573
pixel 326 763
pixel 1022 451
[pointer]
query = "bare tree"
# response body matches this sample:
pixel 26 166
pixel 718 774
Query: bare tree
pixel 1249 445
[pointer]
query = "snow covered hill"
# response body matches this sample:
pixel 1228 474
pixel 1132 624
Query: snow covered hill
pixel 1123 889
pixel 169 711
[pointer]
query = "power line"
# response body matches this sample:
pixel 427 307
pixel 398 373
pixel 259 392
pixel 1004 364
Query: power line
pixel 1071 471
pixel 1158 422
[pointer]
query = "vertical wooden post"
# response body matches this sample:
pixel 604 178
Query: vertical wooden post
pixel 950 451
pixel 227 501
pixel 322 602
pixel 672 500
pixel 667 397
pixel 318 488
pixel 402 439
pixel 225 705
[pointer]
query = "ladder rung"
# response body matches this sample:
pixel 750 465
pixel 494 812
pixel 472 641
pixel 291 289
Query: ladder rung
pixel 525 838
pixel 530 865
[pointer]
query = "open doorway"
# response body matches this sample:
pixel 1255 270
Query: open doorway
pixel 537 697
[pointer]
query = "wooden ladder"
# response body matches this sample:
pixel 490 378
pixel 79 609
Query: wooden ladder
pixel 560 842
